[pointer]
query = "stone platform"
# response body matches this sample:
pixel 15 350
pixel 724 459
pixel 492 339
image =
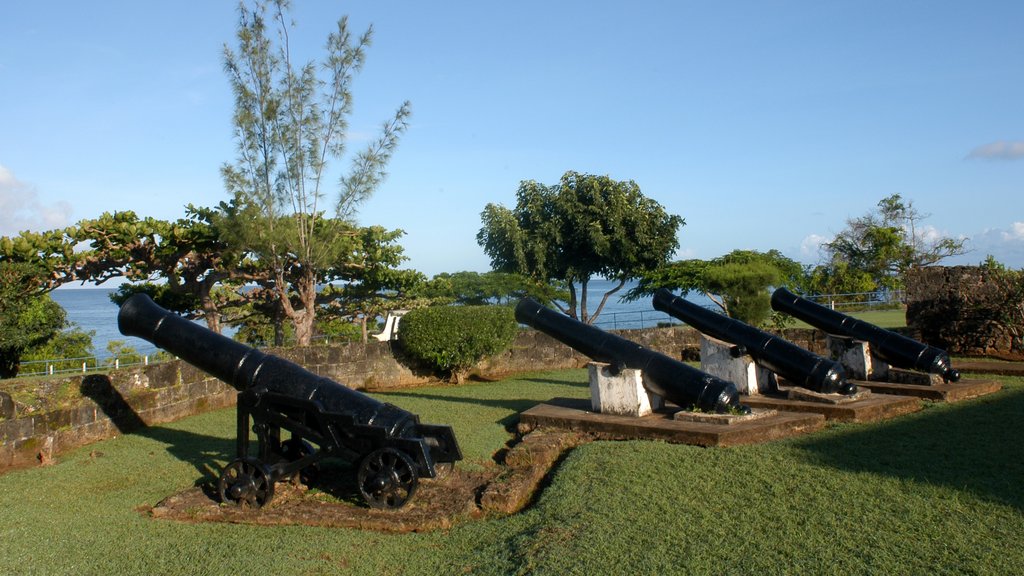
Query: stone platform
pixel 868 409
pixel 574 414
pixel 940 392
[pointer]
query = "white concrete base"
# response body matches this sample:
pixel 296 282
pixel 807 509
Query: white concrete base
pixel 622 394
pixel 856 358
pixel 720 359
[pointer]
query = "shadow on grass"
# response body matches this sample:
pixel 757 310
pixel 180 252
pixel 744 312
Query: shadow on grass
pixel 974 446
pixel 579 384
pixel 514 404
pixel 201 451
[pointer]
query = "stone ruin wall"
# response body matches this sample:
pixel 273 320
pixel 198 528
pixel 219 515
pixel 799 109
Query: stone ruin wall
pixel 967 310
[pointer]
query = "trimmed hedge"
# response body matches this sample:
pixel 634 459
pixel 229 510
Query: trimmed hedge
pixel 453 339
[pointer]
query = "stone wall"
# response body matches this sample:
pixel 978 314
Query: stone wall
pixel 968 310
pixel 41 418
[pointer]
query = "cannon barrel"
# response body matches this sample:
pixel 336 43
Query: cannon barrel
pixel 664 376
pixel 895 349
pixel 248 369
pixel 797 365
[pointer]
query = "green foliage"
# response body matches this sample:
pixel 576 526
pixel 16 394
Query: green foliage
pixel 744 289
pixel 52 254
pixel 454 338
pixel 841 279
pixel 586 226
pixel 290 121
pixel 28 317
pixel 122 353
pixel 476 289
pixel 886 243
pixel 738 282
pixel 72 345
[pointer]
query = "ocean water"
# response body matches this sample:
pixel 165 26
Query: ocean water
pixel 92 310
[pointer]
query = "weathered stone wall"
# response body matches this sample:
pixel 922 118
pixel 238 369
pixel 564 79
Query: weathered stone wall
pixel 41 418
pixel 968 310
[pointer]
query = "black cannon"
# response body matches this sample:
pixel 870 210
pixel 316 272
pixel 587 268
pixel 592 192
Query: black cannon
pixel 798 366
pixel 895 349
pixel 324 418
pixel 668 378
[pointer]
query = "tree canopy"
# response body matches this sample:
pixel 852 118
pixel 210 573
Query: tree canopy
pixel 738 283
pixel 582 228
pixel 290 120
pixel 884 244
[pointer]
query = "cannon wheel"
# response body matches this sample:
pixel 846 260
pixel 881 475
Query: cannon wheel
pixel 247 483
pixel 387 478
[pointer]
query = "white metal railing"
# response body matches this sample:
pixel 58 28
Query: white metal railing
pixel 78 365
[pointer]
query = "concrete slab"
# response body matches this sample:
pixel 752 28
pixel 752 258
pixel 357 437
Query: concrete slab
pixel 870 408
pixel 574 414
pixel 940 392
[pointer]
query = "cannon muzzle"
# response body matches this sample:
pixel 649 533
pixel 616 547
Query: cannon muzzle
pixel 895 349
pixel 664 376
pixel 799 366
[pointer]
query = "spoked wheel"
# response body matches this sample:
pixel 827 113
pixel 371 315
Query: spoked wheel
pixel 387 478
pixel 246 482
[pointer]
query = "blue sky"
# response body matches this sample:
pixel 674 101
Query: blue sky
pixel 763 124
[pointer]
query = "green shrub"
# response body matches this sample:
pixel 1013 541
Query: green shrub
pixel 454 338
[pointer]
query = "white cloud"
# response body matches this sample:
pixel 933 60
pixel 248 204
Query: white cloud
pixel 1000 150
pixel 1015 233
pixel 810 247
pixel 21 208
pixel 1006 245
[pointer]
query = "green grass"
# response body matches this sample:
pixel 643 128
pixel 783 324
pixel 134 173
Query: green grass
pixel 889 319
pixel 937 492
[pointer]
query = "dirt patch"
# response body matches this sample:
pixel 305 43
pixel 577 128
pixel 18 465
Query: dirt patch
pixel 438 503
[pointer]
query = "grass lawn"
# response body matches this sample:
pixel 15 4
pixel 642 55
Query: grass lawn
pixel 889 319
pixel 937 492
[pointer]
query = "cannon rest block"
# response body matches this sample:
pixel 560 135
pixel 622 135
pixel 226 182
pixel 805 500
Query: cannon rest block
pixel 856 358
pixel 730 363
pixel 723 419
pixel 621 393
pixel 930 389
pixel 573 414
pixel 798 393
pixel 868 408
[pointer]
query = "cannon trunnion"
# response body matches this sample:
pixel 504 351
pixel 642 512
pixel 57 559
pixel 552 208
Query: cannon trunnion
pixel 797 365
pixel 893 348
pixel 664 376
pixel 323 418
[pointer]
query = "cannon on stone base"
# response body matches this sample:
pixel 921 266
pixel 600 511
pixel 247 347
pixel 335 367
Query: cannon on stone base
pixel 323 418
pixel 664 376
pixel 895 349
pixel 798 366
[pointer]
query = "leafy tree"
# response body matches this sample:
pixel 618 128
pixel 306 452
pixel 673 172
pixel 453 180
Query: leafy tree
pixel 122 353
pixel 187 257
pixel 290 120
pixel 476 289
pixel 586 226
pixel 52 254
pixel 889 241
pixel 454 338
pixel 841 280
pixel 69 348
pixel 28 317
pixel 738 282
